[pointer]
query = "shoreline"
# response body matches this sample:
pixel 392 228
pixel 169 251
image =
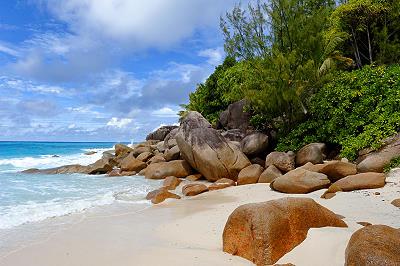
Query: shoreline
pixel 178 232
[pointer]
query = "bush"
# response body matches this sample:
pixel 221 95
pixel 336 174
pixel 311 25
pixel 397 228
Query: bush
pixel 355 110
pixel 394 163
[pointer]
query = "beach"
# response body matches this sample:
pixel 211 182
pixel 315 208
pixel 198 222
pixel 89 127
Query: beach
pixel 189 231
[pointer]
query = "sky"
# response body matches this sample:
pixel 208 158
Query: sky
pixel 102 70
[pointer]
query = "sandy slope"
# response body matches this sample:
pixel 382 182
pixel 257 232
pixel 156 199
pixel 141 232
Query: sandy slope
pixel 189 231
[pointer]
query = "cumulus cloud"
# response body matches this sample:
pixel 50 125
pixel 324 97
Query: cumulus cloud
pixel 119 122
pixel 215 56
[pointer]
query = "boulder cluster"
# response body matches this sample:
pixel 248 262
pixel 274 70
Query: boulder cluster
pixel 196 157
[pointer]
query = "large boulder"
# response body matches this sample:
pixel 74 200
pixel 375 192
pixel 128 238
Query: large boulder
pixel 130 163
pixel 101 166
pixel 160 133
pixel 336 170
pixel 156 159
pixel 374 245
pixel 254 144
pixel 300 181
pixel 361 181
pixel 121 150
pixel 269 175
pixel 376 161
pixel 233 134
pixel 250 174
pixel 172 154
pixel 161 146
pixel 145 156
pixel 178 168
pixel 235 117
pixel 207 151
pixel 313 153
pixel 170 138
pixel 281 160
pixel 264 232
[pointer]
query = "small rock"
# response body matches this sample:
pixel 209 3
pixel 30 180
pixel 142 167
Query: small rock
pixel 364 223
pixel 396 202
pixel 172 154
pixel 194 177
pixel 221 183
pixel 171 182
pixel 145 156
pixel 194 189
pixel 162 195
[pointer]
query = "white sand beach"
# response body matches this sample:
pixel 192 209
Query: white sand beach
pixel 189 231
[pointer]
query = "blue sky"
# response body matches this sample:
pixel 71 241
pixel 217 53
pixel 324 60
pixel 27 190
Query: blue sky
pixel 102 70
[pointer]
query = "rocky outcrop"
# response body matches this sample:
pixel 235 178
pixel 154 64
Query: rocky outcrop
pixel 101 166
pixel 376 161
pixel 66 169
pixel 300 181
pixel 250 174
pixel 281 160
pixel 264 232
pixel 313 153
pixel 254 144
pixel 172 154
pixel 221 183
pixel 171 182
pixel 207 151
pixel 121 150
pixel 361 181
pixel 194 189
pixel 269 175
pixel 374 245
pixel 177 168
pixel 160 133
pixel 235 117
pixel 130 163
pixel 336 170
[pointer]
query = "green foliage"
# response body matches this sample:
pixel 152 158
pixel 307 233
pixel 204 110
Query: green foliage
pixel 355 110
pixel 366 31
pixel 281 40
pixel 394 163
pixel 218 91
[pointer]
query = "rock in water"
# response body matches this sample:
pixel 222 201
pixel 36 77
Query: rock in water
pixel 281 160
pixel 313 153
pixel 374 245
pixel 177 168
pixel 254 144
pixel 264 232
pixel 361 181
pixel 171 182
pixel 300 181
pixel 208 151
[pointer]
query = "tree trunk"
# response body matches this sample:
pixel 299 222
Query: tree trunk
pixel 369 46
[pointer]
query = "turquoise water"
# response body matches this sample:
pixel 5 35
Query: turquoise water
pixel 26 198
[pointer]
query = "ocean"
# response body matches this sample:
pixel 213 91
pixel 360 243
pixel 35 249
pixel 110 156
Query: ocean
pixel 28 198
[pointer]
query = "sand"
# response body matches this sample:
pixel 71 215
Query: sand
pixel 189 231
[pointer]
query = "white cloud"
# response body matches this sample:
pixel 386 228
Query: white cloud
pixel 165 112
pixel 155 23
pixel 7 49
pixel 119 122
pixel 215 56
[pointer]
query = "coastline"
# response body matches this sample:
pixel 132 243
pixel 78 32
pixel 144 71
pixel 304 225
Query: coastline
pixel 190 230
